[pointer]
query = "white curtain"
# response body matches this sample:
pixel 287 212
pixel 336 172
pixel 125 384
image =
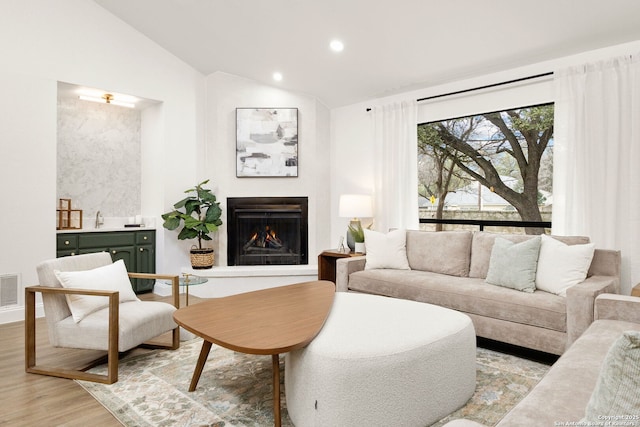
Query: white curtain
pixel 597 158
pixel 396 166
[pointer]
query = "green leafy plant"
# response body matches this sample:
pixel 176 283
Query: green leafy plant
pixel 357 232
pixel 199 213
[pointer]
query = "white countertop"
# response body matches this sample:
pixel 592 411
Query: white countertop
pixel 103 229
pixel 111 224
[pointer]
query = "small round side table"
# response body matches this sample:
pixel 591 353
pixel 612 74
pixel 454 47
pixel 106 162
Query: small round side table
pixel 187 280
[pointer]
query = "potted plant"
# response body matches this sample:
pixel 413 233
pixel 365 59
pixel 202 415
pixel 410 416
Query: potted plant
pixel 199 213
pixel 358 236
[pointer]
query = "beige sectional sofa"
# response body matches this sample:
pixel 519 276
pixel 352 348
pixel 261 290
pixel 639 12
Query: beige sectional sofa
pixel 562 396
pixel 449 269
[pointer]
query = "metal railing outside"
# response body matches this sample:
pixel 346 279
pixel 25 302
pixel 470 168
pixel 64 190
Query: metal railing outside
pixel 482 223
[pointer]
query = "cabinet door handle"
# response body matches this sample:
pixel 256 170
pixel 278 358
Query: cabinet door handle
pixel 113 252
pixel 73 253
pixel 66 242
pixel 144 237
pixel 141 249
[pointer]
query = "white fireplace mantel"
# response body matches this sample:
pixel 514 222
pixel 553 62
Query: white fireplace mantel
pixel 230 280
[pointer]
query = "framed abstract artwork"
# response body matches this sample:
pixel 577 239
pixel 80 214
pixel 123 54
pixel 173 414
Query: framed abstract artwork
pixel 266 142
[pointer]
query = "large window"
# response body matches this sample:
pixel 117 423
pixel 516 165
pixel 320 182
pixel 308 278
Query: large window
pixel 496 165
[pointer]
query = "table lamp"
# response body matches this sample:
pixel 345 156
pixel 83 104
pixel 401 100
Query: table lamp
pixel 354 206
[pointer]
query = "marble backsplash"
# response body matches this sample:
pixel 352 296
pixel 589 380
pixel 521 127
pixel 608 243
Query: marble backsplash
pixel 98 158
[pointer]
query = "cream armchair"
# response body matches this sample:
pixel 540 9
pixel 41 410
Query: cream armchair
pixel 117 328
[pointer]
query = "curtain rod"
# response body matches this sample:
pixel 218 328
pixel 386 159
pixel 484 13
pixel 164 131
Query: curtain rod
pixel 458 92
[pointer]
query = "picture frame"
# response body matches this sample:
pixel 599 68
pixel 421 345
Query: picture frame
pixel 266 142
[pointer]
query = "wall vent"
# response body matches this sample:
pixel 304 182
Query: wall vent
pixel 8 290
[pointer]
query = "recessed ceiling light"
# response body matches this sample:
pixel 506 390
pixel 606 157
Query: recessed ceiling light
pixel 336 46
pixel 277 76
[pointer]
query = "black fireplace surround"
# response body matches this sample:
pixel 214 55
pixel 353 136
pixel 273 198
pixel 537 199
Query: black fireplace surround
pixel 267 230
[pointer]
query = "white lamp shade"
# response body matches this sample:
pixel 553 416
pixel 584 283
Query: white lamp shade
pixel 355 206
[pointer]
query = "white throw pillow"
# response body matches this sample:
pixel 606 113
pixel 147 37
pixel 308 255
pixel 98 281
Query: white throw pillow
pixel 561 266
pixel 112 277
pixel 386 250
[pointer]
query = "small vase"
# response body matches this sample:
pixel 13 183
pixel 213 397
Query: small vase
pixel 360 248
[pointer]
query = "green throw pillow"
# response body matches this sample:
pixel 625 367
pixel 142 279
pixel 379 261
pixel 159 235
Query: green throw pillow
pixel 617 391
pixel 514 265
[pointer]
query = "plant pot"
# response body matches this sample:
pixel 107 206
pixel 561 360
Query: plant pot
pixel 201 259
pixel 360 248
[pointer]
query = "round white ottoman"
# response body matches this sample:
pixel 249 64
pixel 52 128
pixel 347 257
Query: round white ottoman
pixel 382 362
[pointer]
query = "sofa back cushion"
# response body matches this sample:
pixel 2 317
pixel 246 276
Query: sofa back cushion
pixel 482 244
pixel 445 252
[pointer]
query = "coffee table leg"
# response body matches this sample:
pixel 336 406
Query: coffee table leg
pixel 275 358
pixel 202 359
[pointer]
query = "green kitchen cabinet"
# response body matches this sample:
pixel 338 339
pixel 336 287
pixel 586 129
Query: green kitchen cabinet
pixel 145 254
pixel 135 248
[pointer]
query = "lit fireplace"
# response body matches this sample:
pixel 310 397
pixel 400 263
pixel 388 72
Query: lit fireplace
pixel 264 241
pixel 267 230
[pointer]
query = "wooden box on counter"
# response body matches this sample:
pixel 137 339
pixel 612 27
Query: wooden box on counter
pixel 68 218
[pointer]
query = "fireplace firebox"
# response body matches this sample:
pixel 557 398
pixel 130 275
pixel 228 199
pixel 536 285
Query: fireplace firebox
pixel 267 230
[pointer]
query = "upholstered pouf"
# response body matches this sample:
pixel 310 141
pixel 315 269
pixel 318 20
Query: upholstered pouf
pixel 382 361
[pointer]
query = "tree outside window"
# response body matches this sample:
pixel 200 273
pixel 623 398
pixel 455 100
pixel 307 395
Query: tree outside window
pixel 507 153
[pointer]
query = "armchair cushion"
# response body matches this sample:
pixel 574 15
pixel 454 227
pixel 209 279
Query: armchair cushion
pixel 112 277
pixel 139 321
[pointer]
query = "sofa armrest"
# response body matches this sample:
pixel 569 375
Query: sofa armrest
pixel 606 262
pixel 346 266
pixel 617 307
pixel 580 303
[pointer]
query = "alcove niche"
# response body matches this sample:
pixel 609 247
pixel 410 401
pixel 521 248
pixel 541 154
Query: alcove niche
pixel 100 149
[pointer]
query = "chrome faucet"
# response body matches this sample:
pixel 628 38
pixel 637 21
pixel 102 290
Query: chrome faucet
pixel 99 219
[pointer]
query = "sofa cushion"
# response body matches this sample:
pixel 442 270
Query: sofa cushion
pixel 514 265
pixel 446 252
pixel 561 266
pixel 482 243
pixel 386 250
pixel 467 295
pixel 616 392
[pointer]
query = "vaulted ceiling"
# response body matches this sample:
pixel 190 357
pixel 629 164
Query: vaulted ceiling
pixel 390 46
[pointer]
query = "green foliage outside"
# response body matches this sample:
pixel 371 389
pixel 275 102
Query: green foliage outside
pixel 514 143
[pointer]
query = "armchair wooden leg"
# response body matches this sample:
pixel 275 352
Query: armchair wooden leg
pixel 114 316
pixel 175 338
pixel 30 346
pixel 30 330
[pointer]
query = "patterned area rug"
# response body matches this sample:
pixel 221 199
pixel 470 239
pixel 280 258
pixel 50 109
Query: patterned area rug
pixel 235 388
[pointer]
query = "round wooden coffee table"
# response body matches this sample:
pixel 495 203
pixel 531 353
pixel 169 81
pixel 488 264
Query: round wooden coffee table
pixel 269 321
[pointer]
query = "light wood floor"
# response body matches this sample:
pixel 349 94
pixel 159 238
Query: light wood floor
pixel 37 400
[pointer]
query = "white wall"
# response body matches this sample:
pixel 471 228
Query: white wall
pixel 78 42
pixel 225 93
pixel 351 132
pixel 27 177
